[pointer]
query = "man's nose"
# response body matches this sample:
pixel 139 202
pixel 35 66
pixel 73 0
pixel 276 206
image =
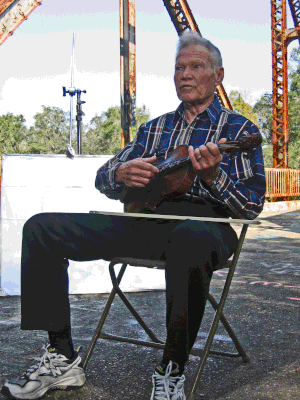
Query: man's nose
pixel 187 73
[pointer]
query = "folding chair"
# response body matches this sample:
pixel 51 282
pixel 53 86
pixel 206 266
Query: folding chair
pixel 155 342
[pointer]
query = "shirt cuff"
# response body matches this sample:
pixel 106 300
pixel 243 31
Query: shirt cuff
pixel 217 184
pixel 111 177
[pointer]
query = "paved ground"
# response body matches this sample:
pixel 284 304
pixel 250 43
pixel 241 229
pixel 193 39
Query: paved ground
pixel 263 307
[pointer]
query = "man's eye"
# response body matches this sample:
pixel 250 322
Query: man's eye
pixel 177 68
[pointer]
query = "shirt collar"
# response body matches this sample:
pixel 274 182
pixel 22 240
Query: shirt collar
pixel 213 110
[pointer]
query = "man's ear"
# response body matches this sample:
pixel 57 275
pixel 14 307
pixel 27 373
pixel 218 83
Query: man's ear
pixel 219 75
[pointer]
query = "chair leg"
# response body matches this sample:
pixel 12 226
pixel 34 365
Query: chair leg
pixel 98 331
pixel 217 317
pixel 239 347
pixel 102 319
pixel 149 332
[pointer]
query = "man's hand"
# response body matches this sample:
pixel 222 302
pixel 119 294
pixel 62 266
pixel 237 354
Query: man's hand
pixel 137 172
pixel 206 160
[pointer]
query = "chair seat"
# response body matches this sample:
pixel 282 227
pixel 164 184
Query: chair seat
pixel 139 262
pixel 156 264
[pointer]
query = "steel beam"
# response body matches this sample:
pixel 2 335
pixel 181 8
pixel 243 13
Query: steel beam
pixel 127 69
pixel 280 84
pixel 281 37
pixel 13 13
pixel 182 18
pixel 295 11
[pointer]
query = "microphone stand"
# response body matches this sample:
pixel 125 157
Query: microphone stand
pixel 79 114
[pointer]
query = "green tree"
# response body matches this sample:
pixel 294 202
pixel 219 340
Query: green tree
pixel 294 96
pixel 103 135
pixel 142 116
pixel 294 154
pixel 50 132
pixel 13 134
pixel 294 74
pixel 263 110
pixel 239 105
pixel 268 156
pixel 294 107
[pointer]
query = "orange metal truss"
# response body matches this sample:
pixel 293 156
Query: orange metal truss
pixel 281 37
pixel 127 69
pixel 295 10
pixel 13 13
pixel 4 4
pixel 182 18
pixel 280 89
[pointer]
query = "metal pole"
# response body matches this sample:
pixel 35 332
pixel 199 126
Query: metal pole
pixel 79 115
pixel 280 84
pixel 127 69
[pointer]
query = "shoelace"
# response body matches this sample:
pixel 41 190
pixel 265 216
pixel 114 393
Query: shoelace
pixel 177 393
pixel 47 361
pixel 166 385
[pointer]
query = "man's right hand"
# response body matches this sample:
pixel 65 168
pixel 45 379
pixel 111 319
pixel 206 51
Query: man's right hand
pixel 137 172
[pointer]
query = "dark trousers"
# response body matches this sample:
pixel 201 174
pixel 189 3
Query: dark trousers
pixel 191 250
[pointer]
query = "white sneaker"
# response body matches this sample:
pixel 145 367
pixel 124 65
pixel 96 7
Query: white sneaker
pixel 54 371
pixel 168 387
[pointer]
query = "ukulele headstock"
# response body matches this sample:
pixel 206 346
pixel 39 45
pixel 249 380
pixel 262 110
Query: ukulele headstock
pixel 245 143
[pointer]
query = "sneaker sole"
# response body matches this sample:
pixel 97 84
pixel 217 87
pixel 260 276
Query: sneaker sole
pixel 67 384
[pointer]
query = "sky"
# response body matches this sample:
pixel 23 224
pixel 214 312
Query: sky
pixel 35 61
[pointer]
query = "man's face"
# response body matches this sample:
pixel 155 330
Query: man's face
pixel 195 79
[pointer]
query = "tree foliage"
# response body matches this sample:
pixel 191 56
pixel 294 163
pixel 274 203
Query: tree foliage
pixel 242 107
pixel 50 132
pixel 268 156
pixel 103 135
pixel 294 107
pixel 294 75
pixel 13 134
pixel 263 110
pixel 294 98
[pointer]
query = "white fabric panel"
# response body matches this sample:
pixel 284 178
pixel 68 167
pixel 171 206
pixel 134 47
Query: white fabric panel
pixel 55 183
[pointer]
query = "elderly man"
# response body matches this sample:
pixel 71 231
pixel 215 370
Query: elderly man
pixel 224 186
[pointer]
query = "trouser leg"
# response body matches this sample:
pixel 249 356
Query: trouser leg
pixel 194 249
pixel 49 240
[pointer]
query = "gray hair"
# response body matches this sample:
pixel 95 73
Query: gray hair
pixel 188 38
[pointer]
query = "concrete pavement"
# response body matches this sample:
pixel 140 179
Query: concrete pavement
pixel 263 307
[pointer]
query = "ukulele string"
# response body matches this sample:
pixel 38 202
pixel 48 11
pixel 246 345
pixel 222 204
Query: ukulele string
pixel 232 146
pixel 173 164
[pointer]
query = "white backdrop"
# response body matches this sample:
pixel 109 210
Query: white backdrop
pixel 55 183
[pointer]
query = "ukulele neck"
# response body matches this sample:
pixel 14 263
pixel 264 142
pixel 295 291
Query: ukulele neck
pixel 167 167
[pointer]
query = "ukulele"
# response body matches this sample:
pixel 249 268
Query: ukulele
pixel 176 176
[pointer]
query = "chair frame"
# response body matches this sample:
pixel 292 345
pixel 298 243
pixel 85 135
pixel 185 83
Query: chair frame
pixel 157 343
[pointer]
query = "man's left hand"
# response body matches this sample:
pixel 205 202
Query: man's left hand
pixel 206 160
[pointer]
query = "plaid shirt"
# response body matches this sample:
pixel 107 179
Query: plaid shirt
pixel 240 184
